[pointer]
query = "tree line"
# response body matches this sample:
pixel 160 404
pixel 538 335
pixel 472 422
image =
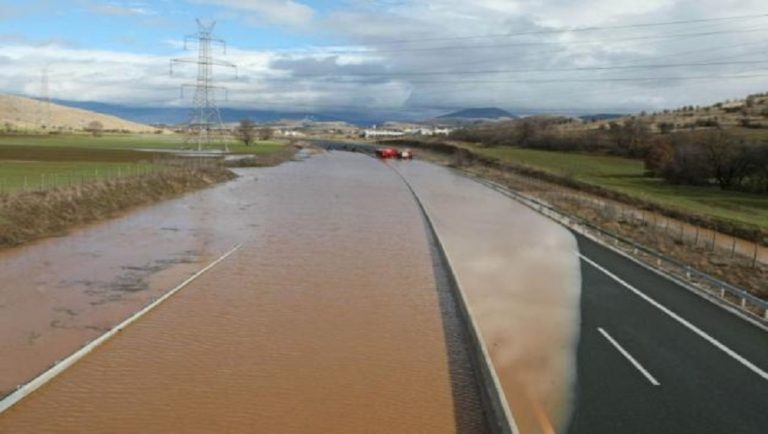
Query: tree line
pixel 711 156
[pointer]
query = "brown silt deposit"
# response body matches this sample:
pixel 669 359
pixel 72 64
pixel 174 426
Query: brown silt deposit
pixel 520 273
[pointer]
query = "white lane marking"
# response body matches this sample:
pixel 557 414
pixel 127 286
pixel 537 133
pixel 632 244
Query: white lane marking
pixel 629 357
pixel 717 344
pixel 20 393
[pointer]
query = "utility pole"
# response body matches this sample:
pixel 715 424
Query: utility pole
pixel 204 125
pixel 44 114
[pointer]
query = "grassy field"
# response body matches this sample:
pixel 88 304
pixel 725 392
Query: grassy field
pixel 131 141
pixel 40 175
pixel 40 162
pixel 626 176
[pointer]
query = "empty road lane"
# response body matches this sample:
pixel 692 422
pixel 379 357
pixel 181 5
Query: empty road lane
pixel 709 365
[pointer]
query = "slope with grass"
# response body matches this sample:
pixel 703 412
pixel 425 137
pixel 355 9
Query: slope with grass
pixel 626 176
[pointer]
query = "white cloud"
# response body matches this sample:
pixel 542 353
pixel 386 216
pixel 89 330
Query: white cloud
pixel 431 65
pixel 280 12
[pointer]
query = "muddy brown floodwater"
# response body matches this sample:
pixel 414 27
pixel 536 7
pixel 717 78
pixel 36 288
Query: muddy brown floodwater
pixel 521 276
pixel 330 318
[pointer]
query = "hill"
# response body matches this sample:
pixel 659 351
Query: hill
pixel 25 113
pixel 478 114
pixel 747 116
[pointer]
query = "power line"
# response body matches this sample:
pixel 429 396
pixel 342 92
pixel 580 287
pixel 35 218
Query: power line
pixel 602 79
pixel 538 43
pixel 569 69
pixel 572 30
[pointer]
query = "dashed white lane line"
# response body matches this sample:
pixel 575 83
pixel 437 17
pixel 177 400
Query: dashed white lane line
pixel 717 344
pixel 629 357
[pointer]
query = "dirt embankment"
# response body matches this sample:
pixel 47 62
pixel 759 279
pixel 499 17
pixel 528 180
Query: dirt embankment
pixel 28 216
pixel 465 157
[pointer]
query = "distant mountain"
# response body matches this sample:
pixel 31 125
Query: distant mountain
pixel 478 113
pixel 178 115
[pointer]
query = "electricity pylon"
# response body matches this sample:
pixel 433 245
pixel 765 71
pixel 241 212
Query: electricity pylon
pixel 204 125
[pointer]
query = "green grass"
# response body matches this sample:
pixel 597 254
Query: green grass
pixel 131 141
pixel 45 161
pixel 626 176
pixel 40 175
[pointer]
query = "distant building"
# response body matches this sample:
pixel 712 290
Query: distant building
pixel 290 133
pixel 434 131
pixel 382 133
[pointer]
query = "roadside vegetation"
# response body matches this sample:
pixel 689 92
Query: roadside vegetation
pixel 50 183
pixel 36 162
pixel 162 142
pixel 628 176
pixel 706 165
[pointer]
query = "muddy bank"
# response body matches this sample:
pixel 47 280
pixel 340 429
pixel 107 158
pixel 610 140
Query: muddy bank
pixel 330 318
pixel 30 216
pixel 265 160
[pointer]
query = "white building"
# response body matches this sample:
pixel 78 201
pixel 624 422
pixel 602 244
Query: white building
pixel 382 133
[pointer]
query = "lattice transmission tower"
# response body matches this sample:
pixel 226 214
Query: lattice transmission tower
pixel 204 126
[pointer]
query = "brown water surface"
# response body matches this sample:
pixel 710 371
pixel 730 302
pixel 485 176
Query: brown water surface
pixel 328 319
pixel 521 276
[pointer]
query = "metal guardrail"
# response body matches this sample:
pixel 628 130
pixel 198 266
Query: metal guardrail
pixel 745 299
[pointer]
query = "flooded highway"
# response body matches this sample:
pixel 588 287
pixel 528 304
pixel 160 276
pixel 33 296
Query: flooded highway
pixel 330 318
pixel 333 316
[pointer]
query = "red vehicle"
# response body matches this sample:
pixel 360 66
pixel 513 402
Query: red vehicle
pixel 387 153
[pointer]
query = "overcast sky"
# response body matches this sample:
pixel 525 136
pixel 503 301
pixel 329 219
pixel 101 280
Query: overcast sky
pixel 421 57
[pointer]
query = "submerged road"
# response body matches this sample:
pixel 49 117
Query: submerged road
pixel 275 340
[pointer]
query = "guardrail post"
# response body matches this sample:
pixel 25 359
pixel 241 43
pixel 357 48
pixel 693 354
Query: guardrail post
pixel 766 314
pixel 743 302
pixel 722 292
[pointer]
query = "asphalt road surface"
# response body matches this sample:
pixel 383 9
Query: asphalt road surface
pixel 655 358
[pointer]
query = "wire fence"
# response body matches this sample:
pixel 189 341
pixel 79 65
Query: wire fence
pixel 724 291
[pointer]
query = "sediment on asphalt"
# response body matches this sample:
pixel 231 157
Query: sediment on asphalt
pixel 742 272
pixel 32 215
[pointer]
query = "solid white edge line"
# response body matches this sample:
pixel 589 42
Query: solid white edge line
pixel 629 357
pixel 20 393
pixel 717 344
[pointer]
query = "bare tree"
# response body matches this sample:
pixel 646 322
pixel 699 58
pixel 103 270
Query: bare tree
pixel 266 133
pixel 246 132
pixel 96 128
